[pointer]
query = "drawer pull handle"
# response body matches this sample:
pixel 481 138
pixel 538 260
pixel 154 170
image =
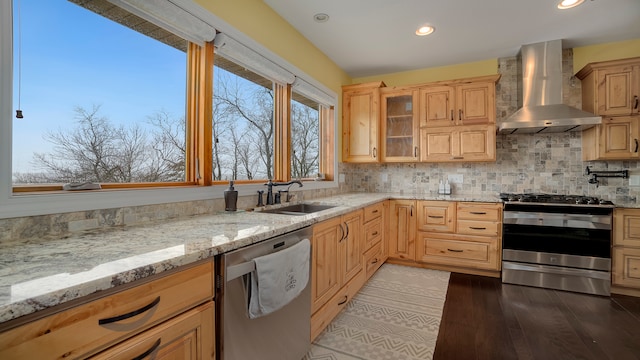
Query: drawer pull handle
pixel 343 301
pixel 131 314
pixel 478 213
pixel 477 228
pixel 153 348
pixel 456 251
pixel 374 233
pixel 435 216
pixel 375 261
pixel 375 211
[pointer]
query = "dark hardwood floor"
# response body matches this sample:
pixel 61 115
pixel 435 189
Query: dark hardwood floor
pixel 485 319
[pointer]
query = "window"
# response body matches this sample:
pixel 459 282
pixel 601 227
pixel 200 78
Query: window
pixel 242 124
pixel 110 96
pixel 305 132
pixel 101 102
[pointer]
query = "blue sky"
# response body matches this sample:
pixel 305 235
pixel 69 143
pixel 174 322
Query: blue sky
pixel 72 57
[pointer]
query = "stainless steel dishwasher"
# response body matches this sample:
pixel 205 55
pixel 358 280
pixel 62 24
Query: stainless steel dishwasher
pixel 282 335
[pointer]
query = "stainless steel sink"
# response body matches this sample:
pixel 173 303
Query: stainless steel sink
pixel 299 209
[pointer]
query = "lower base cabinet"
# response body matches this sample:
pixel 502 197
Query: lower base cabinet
pixel 169 317
pixel 189 336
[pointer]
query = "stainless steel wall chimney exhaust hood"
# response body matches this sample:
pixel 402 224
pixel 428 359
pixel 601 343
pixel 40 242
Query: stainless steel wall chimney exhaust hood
pixel 540 95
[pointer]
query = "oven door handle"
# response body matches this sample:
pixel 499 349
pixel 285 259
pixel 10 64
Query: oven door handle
pixel 556 270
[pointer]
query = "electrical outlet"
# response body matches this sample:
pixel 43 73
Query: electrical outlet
pixel 341 178
pixel 384 177
pixel 455 178
pixel 634 180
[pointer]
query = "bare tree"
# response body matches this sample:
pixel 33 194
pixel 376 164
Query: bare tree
pixel 98 151
pixel 304 141
pixel 251 108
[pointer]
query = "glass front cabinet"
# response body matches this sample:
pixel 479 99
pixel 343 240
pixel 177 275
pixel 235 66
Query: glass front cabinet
pixel 400 125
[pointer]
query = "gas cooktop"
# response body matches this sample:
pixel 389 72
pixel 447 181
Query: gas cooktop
pixel 554 199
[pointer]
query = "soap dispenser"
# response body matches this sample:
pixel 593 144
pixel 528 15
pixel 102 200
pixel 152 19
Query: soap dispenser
pixel 230 198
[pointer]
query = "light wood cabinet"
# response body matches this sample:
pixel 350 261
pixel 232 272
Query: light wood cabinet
pixel 188 336
pixel 626 251
pixel 360 122
pixel 465 235
pixel 616 139
pixel 399 124
pixel 611 88
pixel 336 267
pixel 467 103
pixel 131 320
pixel 437 216
pixel 402 229
pixel 458 143
pixel 374 254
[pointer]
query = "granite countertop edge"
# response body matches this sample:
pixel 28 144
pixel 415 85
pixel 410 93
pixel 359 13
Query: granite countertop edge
pixel 38 274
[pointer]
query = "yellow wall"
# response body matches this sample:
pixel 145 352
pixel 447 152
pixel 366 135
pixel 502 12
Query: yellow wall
pixel 258 21
pixel 479 68
pixel 602 52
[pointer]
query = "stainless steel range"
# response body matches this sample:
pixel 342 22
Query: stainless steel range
pixel 557 241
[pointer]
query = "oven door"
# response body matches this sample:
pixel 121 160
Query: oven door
pixel 557 230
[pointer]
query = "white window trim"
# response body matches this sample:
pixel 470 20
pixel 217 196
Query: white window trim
pixel 12 205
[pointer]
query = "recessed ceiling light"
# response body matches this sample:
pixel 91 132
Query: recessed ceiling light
pixel 425 30
pixel 568 4
pixel 321 17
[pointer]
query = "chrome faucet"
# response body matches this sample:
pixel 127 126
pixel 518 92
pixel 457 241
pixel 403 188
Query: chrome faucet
pixel 270 184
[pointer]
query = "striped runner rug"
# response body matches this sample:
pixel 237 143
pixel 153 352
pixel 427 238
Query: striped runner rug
pixel 395 316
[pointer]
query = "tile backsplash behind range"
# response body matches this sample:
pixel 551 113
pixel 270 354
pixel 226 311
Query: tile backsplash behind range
pixel 549 163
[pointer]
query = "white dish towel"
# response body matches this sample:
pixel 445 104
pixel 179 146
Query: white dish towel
pixel 279 278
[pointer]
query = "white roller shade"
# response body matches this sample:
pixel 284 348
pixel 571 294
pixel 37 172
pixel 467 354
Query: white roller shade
pixel 312 92
pixel 250 59
pixel 171 17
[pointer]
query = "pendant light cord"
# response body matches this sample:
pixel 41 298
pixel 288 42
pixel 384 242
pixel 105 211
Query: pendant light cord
pixel 19 110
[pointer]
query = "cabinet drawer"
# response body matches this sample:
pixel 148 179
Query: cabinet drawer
pixel 626 267
pixel 480 228
pixel 321 318
pixel 187 336
pixel 98 324
pixel 479 211
pixel 373 211
pixel 373 259
pixel 457 250
pixel 626 227
pixel 372 232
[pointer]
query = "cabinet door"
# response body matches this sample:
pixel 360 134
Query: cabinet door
pixel 619 138
pixel 436 144
pixel 475 104
pixel 626 267
pixel 351 247
pixel 324 261
pixel 402 229
pixel 437 106
pixel 400 139
pixel 618 90
pixel 626 227
pixel 189 336
pixel 436 216
pixel 360 125
pixel 476 143
pixel 458 143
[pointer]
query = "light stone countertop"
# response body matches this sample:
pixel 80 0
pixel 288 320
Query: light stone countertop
pixel 38 274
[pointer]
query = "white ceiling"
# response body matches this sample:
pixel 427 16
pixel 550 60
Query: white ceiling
pixel 375 37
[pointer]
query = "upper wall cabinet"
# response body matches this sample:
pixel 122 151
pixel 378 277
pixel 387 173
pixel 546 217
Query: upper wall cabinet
pixel 399 125
pixel 464 103
pixel 611 88
pixel 360 122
